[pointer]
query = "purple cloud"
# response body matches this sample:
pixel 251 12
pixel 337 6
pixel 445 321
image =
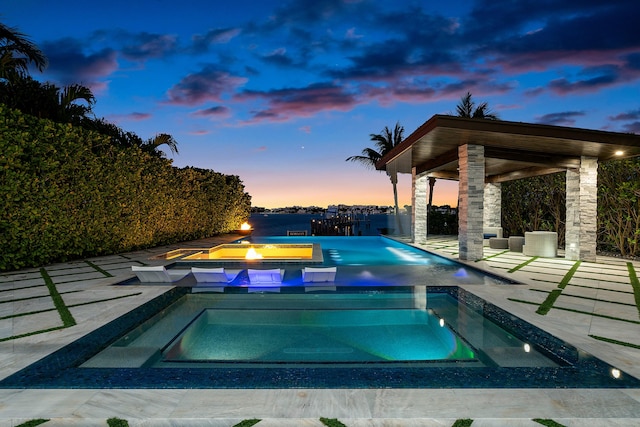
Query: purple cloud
pixel 288 103
pixel 279 57
pixel 566 118
pixel 564 86
pixel 136 116
pixel 630 115
pixel 632 127
pixel 202 43
pixel 68 63
pixel 144 46
pixel 209 84
pixel 217 111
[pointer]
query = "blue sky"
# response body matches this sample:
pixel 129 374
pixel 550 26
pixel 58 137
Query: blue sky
pixel 280 93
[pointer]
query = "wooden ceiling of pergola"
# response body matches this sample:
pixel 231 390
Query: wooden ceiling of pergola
pixel 513 150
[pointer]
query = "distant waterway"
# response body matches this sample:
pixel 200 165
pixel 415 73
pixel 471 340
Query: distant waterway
pixel 279 224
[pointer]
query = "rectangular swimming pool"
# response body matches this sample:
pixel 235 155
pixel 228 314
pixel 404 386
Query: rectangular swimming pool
pixel 388 337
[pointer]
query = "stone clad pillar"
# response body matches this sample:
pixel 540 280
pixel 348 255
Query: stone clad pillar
pixel 419 206
pixel 582 206
pixel 471 204
pixel 492 215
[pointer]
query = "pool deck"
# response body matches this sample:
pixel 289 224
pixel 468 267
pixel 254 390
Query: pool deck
pixel 597 309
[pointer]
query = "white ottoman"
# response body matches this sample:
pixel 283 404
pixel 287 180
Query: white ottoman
pixel 540 243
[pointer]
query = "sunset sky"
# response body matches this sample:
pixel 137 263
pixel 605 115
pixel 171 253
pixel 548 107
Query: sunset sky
pixel 280 93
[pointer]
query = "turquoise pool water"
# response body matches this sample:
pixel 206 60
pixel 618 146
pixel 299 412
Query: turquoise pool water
pixel 385 327
pixel 360 250
pixel 320 336
pixel 400 337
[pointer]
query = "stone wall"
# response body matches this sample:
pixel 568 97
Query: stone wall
pixel 582 205
pixel 419 203
pixel 471 205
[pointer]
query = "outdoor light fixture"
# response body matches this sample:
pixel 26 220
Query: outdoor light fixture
pixel 619 153
pixel 615 373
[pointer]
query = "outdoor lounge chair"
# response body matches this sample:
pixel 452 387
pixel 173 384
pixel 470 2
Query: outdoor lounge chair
pixel 158 274
pixel 265 276
pixel 214 275
pixel 319 274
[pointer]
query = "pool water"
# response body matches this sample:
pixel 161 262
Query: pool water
pixel 394 325
pixel 361 261
pixel 435 337
pixel 321 336
pixel 360 250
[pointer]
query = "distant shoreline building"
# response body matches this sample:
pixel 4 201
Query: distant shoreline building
pixel 345 210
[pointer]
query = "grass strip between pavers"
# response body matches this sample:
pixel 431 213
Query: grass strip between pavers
pixel 58 302
pixel 33 423
pixel 524 264
pixel 553 295
pixel 612 341
pixel 635 284
pixel 97 268
pixel 604 316
pixel 248 423
pixel 331 422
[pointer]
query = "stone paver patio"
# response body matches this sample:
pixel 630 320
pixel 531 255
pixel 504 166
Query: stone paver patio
pixel 594 306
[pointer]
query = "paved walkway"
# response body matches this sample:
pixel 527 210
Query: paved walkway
pixel 594 306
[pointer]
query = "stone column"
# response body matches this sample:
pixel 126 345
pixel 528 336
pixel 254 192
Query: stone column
pixel 582 206
pixel 471 204
pixel 492 215
pixel 419 206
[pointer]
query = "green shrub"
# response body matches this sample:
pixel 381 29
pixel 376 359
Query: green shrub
pixel 62 200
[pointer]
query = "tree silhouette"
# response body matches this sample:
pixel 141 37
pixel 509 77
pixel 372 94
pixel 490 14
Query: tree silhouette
pixel 384 142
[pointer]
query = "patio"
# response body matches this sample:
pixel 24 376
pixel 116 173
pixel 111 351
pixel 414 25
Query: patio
pixel 597 301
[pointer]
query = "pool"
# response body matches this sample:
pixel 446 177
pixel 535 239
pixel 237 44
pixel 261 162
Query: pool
pixel 361 261
pixel 359 250
pixel 328 250
pixel 401 337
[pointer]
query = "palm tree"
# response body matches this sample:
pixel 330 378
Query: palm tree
pixel 17 52
pixel 152 144
pixel 46 100
pixel 385 142
pixel 69 109
pixel 467 108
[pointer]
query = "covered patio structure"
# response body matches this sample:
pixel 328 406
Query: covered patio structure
pixel 481 154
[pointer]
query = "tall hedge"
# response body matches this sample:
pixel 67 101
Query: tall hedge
pixel 539 204
pixel 619 206
pixel 68 193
